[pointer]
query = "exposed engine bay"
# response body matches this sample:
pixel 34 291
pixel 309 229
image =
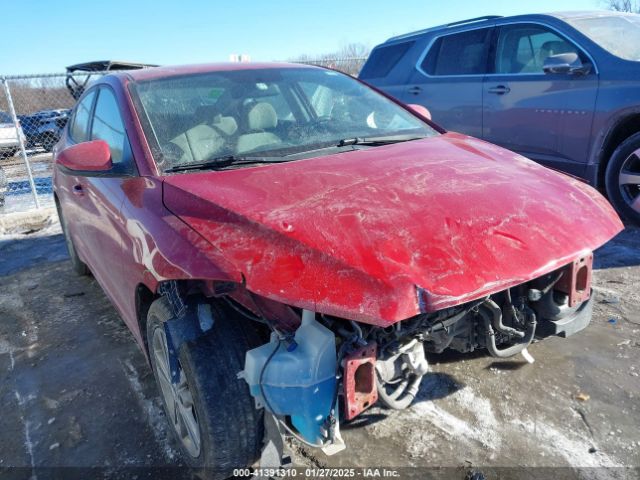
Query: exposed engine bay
pixel 330 369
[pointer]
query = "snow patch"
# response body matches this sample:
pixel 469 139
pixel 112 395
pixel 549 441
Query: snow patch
pixel 418 422
pixel 574 450
pixel 154 414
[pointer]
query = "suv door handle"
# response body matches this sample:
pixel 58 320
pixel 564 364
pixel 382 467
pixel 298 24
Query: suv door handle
pixel 415 90
pixel 499 90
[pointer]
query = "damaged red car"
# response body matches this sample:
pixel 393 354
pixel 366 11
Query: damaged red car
pixel 284 240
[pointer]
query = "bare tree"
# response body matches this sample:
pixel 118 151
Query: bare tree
pixel 348 59
pixel 632 6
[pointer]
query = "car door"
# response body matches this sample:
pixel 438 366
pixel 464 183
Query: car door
pixel 78 208
pixel 107 191
pixel 544 116
pixel 448 80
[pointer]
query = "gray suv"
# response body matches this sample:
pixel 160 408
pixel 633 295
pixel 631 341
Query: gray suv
pixel 562 89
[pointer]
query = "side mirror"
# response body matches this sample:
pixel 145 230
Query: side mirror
pixel 93 156
pixel 421 110
pixel 565 63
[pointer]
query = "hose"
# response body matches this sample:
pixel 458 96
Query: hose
pixel 490 338
pixel 444 324
pixel 497 318
pixel 407 391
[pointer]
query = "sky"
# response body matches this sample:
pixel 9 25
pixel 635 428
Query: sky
pixel 44 36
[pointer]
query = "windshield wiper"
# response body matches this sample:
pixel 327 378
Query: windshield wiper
pixel 366 141
pixel 224 161
pixel 373 141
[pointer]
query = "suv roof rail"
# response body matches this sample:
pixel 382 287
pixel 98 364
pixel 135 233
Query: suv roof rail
pixel 473 20
pixel 446 25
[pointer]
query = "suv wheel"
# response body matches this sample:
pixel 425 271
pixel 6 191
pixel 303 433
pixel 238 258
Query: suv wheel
pixel 623 178
pixel 49 142
pixel 210 410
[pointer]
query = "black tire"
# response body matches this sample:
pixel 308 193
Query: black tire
pixel 79 267
pixel 621 196
pixel 49 141
pixel 231 428
pixel 8 153
pixel 3 186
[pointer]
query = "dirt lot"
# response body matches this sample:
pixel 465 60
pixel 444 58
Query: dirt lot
pixel 75 390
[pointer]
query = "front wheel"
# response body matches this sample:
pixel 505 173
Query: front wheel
pixel 623 178
pixel 210 410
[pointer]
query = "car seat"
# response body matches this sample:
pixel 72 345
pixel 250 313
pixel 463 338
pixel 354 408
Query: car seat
pixel 260 118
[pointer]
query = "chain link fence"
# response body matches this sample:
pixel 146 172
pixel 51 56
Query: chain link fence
pixel 34 110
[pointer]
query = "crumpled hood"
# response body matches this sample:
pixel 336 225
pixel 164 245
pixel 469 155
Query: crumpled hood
pixel 355 234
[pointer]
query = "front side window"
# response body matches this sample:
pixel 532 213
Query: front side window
pixel 619 34
pixel 80 125
pixel 280 112
pixel 108 125
pixel 462 53
pixel 524 48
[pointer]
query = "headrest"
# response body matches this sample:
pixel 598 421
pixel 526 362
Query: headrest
pixel 227 125
pixel 262 116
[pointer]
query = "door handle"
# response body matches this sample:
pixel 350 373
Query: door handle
pixel 77 190
pixel 415 90
pixel 499 90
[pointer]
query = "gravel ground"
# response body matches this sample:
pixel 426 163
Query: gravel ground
pixel 77 392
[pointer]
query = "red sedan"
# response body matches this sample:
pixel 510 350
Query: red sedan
pixel 284 238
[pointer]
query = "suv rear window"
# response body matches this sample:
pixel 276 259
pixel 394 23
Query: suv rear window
pixel 462 53
pixel 5 118
pixel 383 59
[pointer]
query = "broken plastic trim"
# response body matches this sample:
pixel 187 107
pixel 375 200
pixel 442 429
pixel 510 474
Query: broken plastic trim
pixel 196 319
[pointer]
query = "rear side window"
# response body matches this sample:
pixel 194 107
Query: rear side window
pixel 459 54
pixel 383 59
pixel 108 125
pixel 80 126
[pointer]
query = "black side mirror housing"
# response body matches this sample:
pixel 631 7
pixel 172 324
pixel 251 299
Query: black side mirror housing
pixel 565 63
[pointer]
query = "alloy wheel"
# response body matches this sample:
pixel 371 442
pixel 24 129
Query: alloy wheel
pixel 629 180
pixel 177 397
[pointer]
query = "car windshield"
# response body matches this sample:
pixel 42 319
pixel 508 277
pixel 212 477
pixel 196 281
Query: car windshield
pixel 275 113
pixel 619 34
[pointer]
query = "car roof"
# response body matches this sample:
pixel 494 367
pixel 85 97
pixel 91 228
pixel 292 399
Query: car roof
pixel 172 71
pixel 567 15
